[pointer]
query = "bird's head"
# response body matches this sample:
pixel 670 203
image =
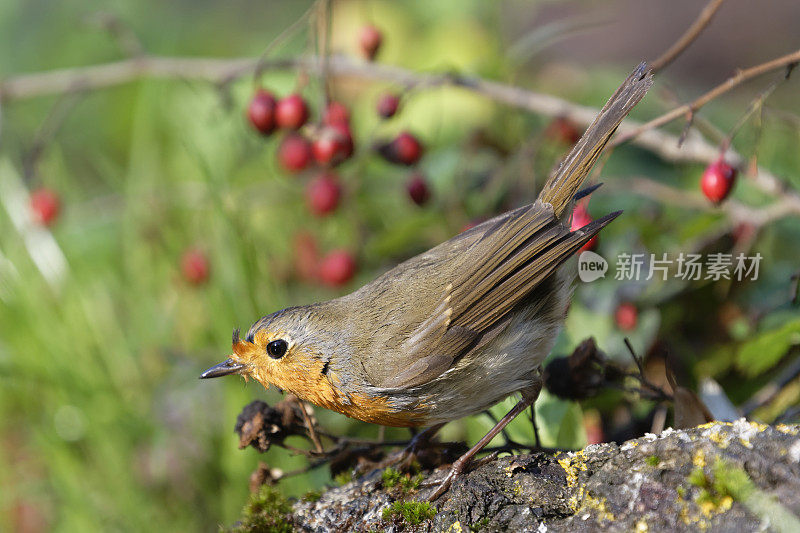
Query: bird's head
pixel 280 349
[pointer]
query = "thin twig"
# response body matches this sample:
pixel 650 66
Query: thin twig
pixel 312 433
pixel 689 109
pixel 126 38
pixel 262 63
pixel 782 207
pixel 51 125
pixel 689 36
pixel 635 357
pixel 770 391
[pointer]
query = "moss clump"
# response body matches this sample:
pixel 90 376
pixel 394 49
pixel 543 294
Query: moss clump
pixel 394 478
pixel 312 496
pixel 653 460
pixel 477 526
pixel 267 511
pixel 698 478
pixel 343 478
pixel 412 513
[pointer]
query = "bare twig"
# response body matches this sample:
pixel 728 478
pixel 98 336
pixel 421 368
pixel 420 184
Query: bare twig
pixel 697 27
pixel 52 123
pixel 126 38
pixel 770 391
pixel 262 63
pixel 634 356
pixel 689 109
pixel 783 206
pixel 312 433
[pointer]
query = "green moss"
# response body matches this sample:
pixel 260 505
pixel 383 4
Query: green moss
pixel 653 460
pixel 731 481
pixel 312 496
pixel 477 526
pixel 267 511
pixel 698 478
pixel 681 491
pixel 411 512
pixel 342 478
pixel 393 478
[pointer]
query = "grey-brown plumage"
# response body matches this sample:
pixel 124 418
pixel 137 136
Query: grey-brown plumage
pixel 456 329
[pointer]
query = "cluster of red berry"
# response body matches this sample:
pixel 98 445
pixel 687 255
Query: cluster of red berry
pixel 320 147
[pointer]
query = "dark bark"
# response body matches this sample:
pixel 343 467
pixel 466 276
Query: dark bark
pixel 717 477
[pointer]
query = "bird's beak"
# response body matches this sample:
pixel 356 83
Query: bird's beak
pixel 227 367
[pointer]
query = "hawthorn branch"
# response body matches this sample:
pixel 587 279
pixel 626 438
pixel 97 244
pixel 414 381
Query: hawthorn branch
pixel 694 149
pixel 736 211
pixel 689 36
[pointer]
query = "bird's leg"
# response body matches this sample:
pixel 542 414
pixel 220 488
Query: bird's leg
pixel 536 440
pixel 418 443
pixel 460 465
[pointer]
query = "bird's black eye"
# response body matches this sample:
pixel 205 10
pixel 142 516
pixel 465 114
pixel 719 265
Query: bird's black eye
pixel 277 349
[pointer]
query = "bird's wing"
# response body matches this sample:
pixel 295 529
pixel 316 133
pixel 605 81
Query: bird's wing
pixel 515 253
pixel 512 254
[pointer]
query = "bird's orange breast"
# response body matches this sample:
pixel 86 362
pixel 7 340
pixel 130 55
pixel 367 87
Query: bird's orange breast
pixel 360 405
pixel 328 391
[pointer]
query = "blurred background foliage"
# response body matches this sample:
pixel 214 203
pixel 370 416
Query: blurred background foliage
pixel 103 422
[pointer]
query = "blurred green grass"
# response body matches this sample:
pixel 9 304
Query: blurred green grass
pixel 104 424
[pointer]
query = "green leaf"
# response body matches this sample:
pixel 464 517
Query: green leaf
pixel 763 351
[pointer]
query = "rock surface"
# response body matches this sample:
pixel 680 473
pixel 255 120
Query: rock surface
pixel 716 477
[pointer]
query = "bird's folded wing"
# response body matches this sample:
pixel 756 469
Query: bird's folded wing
pixel 514 255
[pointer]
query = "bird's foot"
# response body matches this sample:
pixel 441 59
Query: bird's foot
pixel 422 453
pixel 462 465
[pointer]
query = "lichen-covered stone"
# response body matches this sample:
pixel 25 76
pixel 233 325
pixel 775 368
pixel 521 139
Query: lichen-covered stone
pixel 643 485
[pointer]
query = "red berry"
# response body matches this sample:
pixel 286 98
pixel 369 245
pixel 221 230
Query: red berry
pixel 306 255
pixel 370 41
pixel 295 152
pixel 261 111
pixel 626 316
pixel 194 265
pixel 404 149
pixel 337 268
pixel 581 217
pixel 346 138
pixel 291 112
pixel 333 145
pixel 418 189
pixel 323 194
pixel 717 180
pixel 336 113
pixel 387 105
pixel 563 130
pixel 45 206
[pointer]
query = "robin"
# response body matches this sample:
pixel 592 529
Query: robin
pixel 452 331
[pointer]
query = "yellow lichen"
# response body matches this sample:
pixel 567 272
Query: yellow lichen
pixel 455 528
pixel 708 425
pixel 572 463
pixel 593 503
pixel 788 430
pixel 711 507
pixel 641 526
pixel 718 438
pixel 699 458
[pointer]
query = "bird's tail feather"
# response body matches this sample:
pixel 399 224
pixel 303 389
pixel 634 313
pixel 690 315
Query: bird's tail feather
pixel 561 187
